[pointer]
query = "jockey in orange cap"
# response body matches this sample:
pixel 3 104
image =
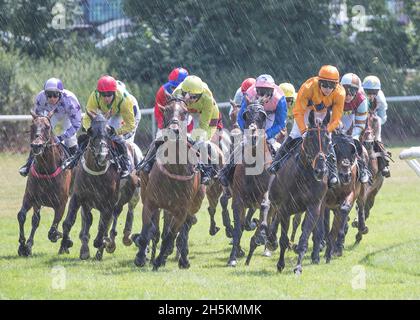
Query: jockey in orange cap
pixel 321 94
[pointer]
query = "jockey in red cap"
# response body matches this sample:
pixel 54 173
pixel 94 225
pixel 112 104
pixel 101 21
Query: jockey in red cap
pixel 176 76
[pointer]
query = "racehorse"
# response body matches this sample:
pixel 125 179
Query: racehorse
pixel 47 184
pixel 174 187
pixel 369 190
pixel 340 199
pixel 299 185
pixel 96 185
pixel 248 190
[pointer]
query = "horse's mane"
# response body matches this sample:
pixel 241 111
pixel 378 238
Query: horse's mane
pixel 340 138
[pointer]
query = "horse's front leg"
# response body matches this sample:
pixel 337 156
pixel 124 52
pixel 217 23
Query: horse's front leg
pixel 224 199
pixel 26 206
pixel 127 239
pixel 284 218
pixel 178 219
pixel 36 218
pixel 54 234
pixel 317 236
pixel 312 215
pixel 182 244
pixel 84 235
pixel 238 219
pixel 68 223
pixel 147 232
pixel 102 241
pixel 113 233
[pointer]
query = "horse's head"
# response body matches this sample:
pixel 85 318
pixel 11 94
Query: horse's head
pixel 346 152
pixel 369 134
pixel 40 132
pixel 175 114
pixel 255 118
pixel 315 145
pixel 98 137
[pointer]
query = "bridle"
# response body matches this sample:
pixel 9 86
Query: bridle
pixel 321 153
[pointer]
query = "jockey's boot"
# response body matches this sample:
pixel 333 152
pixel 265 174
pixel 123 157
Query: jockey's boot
pixel 149 160
pixel 332 167
pixel 363 170
pixel 383 164
pixel 226 173
pixel 24 170
pixel 285 148
pixel 207 173
pixel 75 153
pixel 123 156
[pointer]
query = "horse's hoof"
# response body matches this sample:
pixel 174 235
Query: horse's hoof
pixel 271 245
pixel 24 251
pixel 297 270
pixel 214 231
pixel 252 225
pixel 315 260
pixel 183 264
pixel 232 263
pixel 140 261
pixel 135 237
pixel 267 253
pixel 53 236
pixel 110 248
pixel 241 253
pixel 127 241
pixel 63 250
pixel 355 224
pixel 327 260
pixel 97 243
pixel 99 254
pixel 365 230
pixel 339 252
pixel 280 267
pixel 84 253
pixel 358 238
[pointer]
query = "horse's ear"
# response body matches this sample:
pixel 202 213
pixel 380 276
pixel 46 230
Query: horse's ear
pixel 311 119
pixel 168 96
pixel 161 108
pixel 233 104
pixel 33 114
pixel 50 114
pixel 327 118
pixel 108 114
pixel 91 114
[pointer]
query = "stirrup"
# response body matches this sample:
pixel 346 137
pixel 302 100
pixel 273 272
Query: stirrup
pixel 24 171
pixel 385 172
pixel 332 182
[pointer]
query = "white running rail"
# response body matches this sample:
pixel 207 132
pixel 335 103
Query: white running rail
pixel 410 156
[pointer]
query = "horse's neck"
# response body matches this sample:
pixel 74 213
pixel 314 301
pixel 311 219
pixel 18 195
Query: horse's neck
pixel 49 160
pixel 251 153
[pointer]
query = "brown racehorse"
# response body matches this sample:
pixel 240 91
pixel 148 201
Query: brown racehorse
pixel 96 185
pixel 340 199
pixel 299 185
pixel 173 187
pixel 369 190
pixel 47 184
pixel 248 189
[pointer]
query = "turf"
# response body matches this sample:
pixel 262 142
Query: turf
pixel 385 265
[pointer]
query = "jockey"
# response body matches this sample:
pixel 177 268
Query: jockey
pixel 274 104
pixel 320 94
pixel 354 117
pixel 109 97
pixel 176 76
pixel 290 94
pixel 67 113
pixel 377 104
pixel 137 114
pixel 237 99
pixel 199 99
